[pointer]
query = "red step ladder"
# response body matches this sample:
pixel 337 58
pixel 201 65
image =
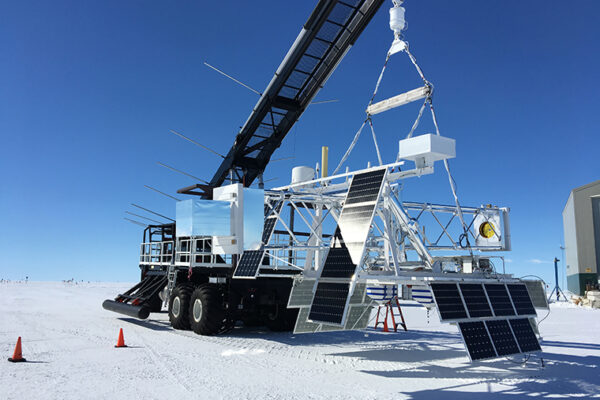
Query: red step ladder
pixel 389 313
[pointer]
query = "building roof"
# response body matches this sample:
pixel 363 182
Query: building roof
pixel 580 188
pixel 589 185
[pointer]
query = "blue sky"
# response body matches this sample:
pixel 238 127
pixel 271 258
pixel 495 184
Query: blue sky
pixel 89 91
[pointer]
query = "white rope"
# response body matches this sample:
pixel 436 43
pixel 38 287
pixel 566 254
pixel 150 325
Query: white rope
pixel 349 150
pixel 419 71
pixel 357 135
pixel 375 141
pixel 416 124
pixel 387 58
pixel 429 100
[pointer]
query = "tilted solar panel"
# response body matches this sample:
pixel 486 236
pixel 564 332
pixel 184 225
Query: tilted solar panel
pixel 502 337
pixel 270 220
pixel 329 302
pixel 520 298
pixel 338 264
pixel 249 263
pixel 499 299
pixel 475 300
pixel 525 336
pixel 477 340
pixel 447 298
pixel 301 294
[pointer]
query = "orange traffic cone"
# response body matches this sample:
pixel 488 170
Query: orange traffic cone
pixel 121 340
pixel 17 355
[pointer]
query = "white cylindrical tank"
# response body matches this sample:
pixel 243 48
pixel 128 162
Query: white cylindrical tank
pixel 397 21
pixel 302 174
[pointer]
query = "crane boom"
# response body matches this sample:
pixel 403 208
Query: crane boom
pixel 326 37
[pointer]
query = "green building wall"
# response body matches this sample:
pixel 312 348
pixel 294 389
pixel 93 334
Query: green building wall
pixel 576 282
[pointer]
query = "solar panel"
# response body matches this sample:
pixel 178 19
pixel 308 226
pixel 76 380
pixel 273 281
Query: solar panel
pixel 520 298
pixel 329 302
pixel 338 264
pixel 365 187
pixel 251 259
pixel 499 299
pixel 448 301
pixel 358 317
pixel 358 296
pixel 359 207
pixel 248 264
pixel 537 293
pixel 502 337
pixel 301 294
pixel 303 325
pixel 270 220
pixel 525 336
pixel 475 300
pixel 477 340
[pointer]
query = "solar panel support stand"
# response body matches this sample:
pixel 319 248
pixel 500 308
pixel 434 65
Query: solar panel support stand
pixel 557 288
pixel 389 312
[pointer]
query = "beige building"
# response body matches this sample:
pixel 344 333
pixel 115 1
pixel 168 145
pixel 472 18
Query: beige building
pixel 581 224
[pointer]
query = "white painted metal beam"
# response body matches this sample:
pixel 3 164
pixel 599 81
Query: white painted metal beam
pixel 399 100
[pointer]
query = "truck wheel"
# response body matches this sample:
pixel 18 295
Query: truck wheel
pixel 179 305
pixel 284 319
pixel 206 315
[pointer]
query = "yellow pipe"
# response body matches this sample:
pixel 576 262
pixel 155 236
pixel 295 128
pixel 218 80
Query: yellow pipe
pixel 324 160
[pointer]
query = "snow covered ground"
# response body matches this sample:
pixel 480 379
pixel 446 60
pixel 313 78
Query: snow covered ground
pixel 68 340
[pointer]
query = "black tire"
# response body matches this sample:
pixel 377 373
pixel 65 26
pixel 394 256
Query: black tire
pixel 283 320
pixel 179 304
pixel 206 315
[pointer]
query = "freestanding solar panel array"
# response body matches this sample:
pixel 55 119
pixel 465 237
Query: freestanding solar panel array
pixel 498 338
pixel 489 300
pixel 489 316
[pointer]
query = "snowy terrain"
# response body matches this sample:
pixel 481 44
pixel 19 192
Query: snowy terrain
pixel 69 340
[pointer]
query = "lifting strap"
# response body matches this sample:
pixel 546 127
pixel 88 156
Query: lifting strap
pixel 399 46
